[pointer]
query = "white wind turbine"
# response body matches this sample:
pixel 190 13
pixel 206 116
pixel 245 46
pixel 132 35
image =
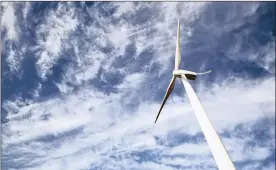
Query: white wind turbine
pixel 220 154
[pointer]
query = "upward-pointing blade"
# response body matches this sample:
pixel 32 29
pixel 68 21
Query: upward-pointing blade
pixel 177 51
pixel 168 92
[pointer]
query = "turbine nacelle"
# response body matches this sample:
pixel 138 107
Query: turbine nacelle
pixel 188 74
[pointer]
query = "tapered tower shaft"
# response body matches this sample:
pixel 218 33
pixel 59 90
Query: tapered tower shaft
pixel 220 154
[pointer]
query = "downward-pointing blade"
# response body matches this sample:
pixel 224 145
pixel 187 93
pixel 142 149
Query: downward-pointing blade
pixel 168 92
pixel 177 50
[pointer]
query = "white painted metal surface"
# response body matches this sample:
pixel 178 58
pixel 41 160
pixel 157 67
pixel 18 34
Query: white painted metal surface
pixel 180 72
pixel 177 50
pixel 220 154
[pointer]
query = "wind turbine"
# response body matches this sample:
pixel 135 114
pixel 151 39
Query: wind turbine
pixel 220 154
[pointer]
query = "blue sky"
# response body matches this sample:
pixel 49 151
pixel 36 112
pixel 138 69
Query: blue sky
pixel 82 84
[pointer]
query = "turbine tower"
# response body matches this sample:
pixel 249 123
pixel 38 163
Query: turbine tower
pixel 219 153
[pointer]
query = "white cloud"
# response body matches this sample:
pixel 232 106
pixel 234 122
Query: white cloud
pixel 9 20
pixel 12 60
pixel 10 49
pixel 119 34
pixel 249 103
pixel 267 57
pixel 240 151
pixel 190 149
pixel 190 162
pixel 26 9
pixel 132 81
pixel 87 128
pixel 52 34
pixel 104 129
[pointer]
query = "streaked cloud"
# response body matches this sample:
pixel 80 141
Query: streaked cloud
pixel 116 63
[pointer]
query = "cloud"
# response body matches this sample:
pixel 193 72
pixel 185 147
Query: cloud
pixel 26 9
pixel 12 31
pixel 51 35
pixel 9 20
pixel 108 39
pixel 84 123
pixel 114 45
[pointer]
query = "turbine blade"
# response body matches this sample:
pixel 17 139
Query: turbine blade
pixel 168 92
pixel 206 72
pixel 177 51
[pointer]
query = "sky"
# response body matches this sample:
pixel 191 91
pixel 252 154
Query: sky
pixel 82 83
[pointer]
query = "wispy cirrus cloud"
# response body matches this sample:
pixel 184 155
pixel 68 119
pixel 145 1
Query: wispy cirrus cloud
pixel 51 34
pixel 86 124
pixel 117 64
pixel 9 20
